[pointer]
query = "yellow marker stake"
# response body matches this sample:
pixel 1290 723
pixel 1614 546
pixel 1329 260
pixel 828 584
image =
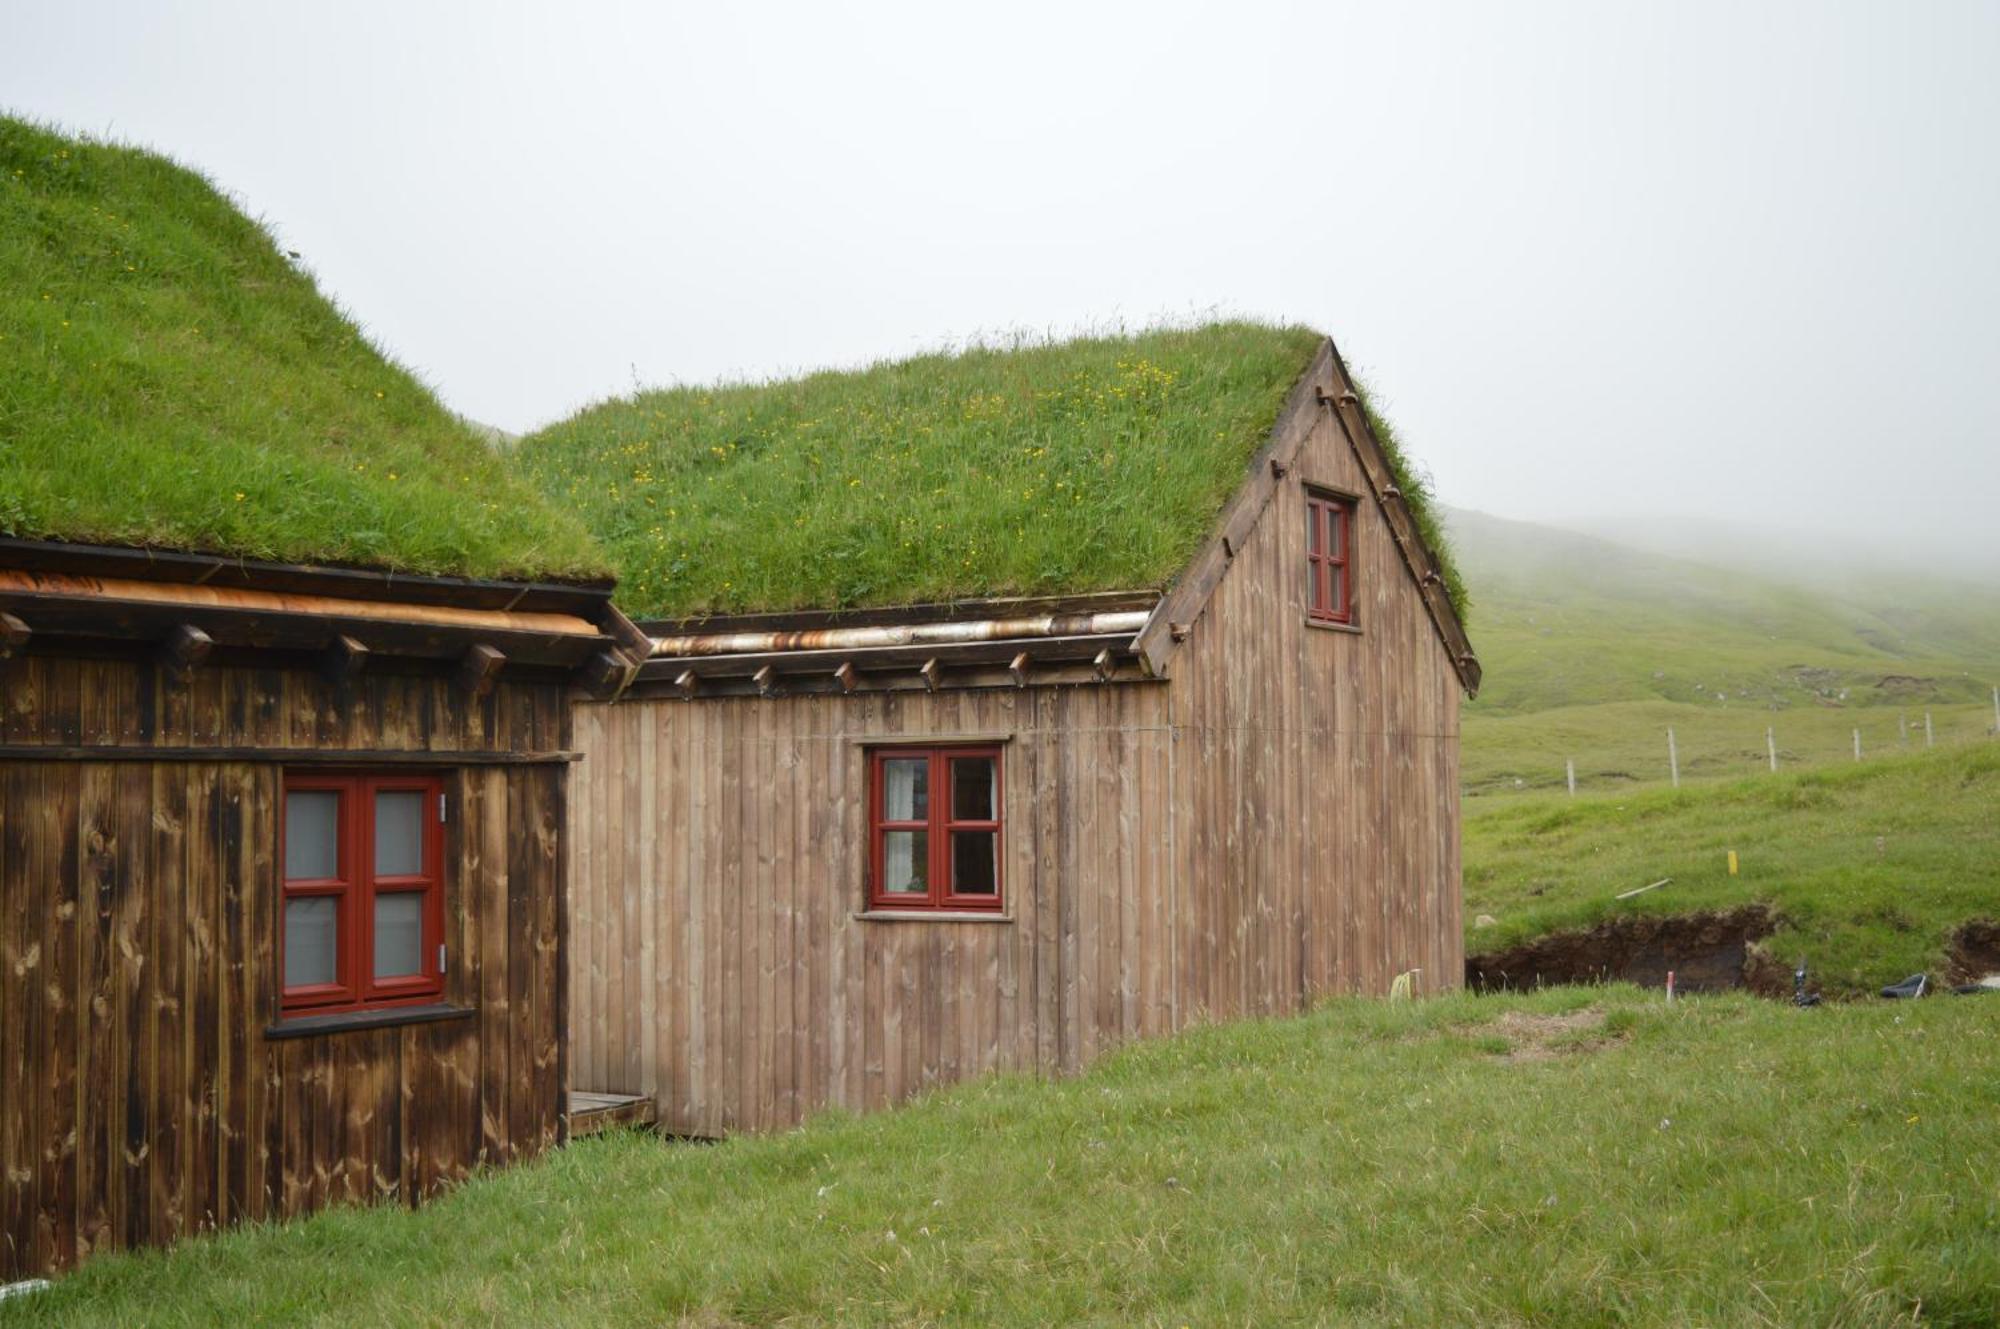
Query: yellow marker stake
pixel 1732 862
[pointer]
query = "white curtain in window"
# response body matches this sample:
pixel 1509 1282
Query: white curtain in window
pixel 899 790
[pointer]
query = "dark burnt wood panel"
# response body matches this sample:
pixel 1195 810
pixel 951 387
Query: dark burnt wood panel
pixel 138 945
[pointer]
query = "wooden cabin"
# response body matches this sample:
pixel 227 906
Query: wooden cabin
pixel 831 858
pixel 282 820
pixel 282 856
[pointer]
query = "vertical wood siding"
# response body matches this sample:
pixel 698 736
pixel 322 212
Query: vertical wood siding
pixel 139 1099
pixel 1278 821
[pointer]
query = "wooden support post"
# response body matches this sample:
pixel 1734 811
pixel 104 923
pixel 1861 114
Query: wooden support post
pixel 930 672
pixel 688 683
pixel 847 676
pixel 342 661
pixel 1930 735
pixel 14 635
pixel 1018 667
pixel 480 669
pixel 766 680
pixel 1102 664
pixel 1996 710
pixel 1673 758
pixel 1570 766
pixel 1771 746
pixel 184 650
pixel 1857 745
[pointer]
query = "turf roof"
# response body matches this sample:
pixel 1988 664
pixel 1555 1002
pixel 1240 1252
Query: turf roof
pixel 1095 464
pixel 167 378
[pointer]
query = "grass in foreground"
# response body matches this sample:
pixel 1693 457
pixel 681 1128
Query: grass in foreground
pixel 1486 1161
pixel 168 378
pixel 1095 464
pixel 1872 865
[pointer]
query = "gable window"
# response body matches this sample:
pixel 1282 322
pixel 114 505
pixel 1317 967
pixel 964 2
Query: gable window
pixel 363 922
pixel 934 828
pixel 1329 557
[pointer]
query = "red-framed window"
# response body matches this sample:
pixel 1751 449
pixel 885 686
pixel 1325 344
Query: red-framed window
pixel 935 827
pixel 1329 557
pixel 363 918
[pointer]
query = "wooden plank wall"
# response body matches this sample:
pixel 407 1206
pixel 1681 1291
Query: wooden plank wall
pixel 1278 821
pixel 138 917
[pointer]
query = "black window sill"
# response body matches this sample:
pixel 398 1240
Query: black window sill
pixel 306 1026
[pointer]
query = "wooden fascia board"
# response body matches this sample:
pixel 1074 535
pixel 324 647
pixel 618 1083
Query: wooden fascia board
pixel 1189 595
pixel 1345 404
pixel 805 620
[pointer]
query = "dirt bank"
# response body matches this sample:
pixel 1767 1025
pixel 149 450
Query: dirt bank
pixel 1708 952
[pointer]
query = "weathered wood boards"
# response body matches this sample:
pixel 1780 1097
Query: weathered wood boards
pixel 1278 820
pixel 140 1098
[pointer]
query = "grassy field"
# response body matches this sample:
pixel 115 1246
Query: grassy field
pixel 1574 1158
pixel 168 377
pixel 1872 866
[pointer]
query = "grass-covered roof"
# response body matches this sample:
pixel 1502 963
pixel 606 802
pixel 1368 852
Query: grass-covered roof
pixel 168 379
pixel 1094 464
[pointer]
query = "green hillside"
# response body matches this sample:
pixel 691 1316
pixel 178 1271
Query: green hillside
pixel 168 378
pixel 1592 650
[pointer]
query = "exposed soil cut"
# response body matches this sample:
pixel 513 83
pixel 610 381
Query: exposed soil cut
pixel 1708 951
pixel 1974 951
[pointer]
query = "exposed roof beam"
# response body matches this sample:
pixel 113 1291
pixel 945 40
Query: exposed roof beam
pixel 342 660
pixel 184 649
pixel 480 669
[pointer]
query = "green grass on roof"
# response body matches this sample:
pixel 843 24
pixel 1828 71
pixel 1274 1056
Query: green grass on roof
pixel 167 378
pixel 1096 464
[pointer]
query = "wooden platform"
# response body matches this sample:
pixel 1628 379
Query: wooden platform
pixel 592 1112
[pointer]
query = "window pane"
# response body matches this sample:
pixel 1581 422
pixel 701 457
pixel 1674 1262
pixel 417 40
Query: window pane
pixel 906 789
pixel 399 832
pixel 906 862
pixel 1313 519
pixel 1338 604
pixel 973 869
pixel 972 790
pixel 399 934
pixel 312 834
pixel 1337 518
pixel 309 940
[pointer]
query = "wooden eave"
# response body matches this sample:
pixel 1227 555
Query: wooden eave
pixel 943 611
pixel 1326 386
pixel 997 662
pixel 185 604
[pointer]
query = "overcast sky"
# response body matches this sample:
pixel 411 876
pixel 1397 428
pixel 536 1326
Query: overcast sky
pixel 1737 261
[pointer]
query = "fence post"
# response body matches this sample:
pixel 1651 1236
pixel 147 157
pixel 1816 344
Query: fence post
pixel 1771 746
pixel 1930 738
pixel 1902 731
pixel 1673 758
pixel 1996 709
pixel 1857 745
pixel 1570 764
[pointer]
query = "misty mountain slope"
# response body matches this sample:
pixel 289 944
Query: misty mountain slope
pixel 1593 648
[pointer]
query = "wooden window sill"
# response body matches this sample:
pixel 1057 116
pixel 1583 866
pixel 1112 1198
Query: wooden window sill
pixel 1325 626
pixel 933 916
pixel 306 1026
